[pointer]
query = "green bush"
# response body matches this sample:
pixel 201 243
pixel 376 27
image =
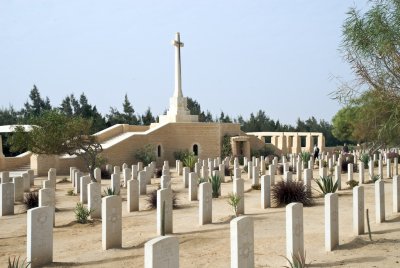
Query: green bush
pixel 233 201
pixel 284 193
pixel 352 183
pixel 181 154
pixel 365 159
pixel 81 213
pixel 264 151
pixel 146 154
pixel 189 161
pixel 326 185
pixel 215 181
pixel 305 157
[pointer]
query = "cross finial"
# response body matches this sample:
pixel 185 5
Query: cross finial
pixel 177 42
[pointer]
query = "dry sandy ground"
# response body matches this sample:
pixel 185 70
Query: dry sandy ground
pixel 209 245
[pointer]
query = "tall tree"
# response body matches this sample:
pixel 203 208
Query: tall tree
pixel 127 117
pixel 37 105
pixel 147 117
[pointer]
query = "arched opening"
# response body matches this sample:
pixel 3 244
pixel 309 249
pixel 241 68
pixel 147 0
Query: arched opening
pixel 159 151
pixel 196 150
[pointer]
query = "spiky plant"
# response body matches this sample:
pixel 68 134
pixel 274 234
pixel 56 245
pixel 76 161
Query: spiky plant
pixel 201 180
pixel 376 177
pixel 81 213
pixel 110 191
pixel 15 263
pixel 233 201
pixel 190 161
pixel 152 199
pixel 215 181
pixel 326 184
pixel 31 200
pixel 352 183
pixel 286 192
pixel 365 159
pixel 305 157
pixel 298 261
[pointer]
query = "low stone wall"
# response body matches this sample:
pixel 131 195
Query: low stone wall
pixel 10 163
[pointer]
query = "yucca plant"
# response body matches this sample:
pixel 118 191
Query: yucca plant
pixel 284 193
pixel 233 201
pixel 365 159
pixel 215 181
pixel 305 157
pixel 376 177
pixel 189 161
pixel 201 180
pixel 298 261
pixel 15 263
pixel 110 191
pixel 81 213
pixel 326 184
pixel 31 200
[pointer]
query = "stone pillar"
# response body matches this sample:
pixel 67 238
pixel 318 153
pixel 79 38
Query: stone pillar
pixel 94 200
pixel 164 198
pixel 238 188
pixel 294 231
pixel 358 210
pixel 162 252
pixel 132 196
pixel 6 199
pixel 192 186
pixel 142 182
pixel 205 203
pixel 39 236
pixel 265 191
pixel 85 180
pixel 242 242
pixel 116 183
pixel 111 210
pixel 331 221
pixel 396 192
pixel 379 201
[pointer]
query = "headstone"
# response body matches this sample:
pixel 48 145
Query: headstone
pixel 5 177
pixel 164 198
pixel 109 168
pixel 85 180
pixel 379 201
pixel 47 198
pixel 294 231
pixel 358 210
pixel 395 166
pixel 39 236
pixel 197 169
pixel 361 173
pixel 331 221
pixel 165 182
pixel 117 170
pixel 389 168
pixel 237 173
pixel 205 203
pixel 349 172
pixel 97 175
pixel 186 172
pixel 179 168
pixel 31 174
pixel 52 175
pixel 396 194
pixel 272 171
pixel 116 183
pixel 78 176
pixel 192 186
pixel 221 169
pixel 142 182
pixel 71 174
pixel 74 178
pixel 7 199
pixel 380 168
pixel 287 176
pixel 134 172
pixel 255 176
pixel 26 182
pixel 338 177
pixel 133 196
pixel 124 166
pixel 162 252
pixel 94 200
pixel 265 191
pixel 111 210
pixel 127 175
pixel 299 164
pixel 140 166
pixel 307 179
pixel 18 189
pixel 204 172
pixel 262 165
pixel 238 188
pixel 48 184
pixel 242 242
pixel 250 169
pixel 323 171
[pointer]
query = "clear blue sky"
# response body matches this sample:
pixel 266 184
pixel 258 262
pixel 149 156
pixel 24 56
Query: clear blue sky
pixel 239 56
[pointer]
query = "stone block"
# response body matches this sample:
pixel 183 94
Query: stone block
pixel 162 252
pixel 205 203
pixel 242 242
pixel 331 221
pixel 111 211
pixel 7 199
pixel 265 191
pixel 94 199
pixel 164 196
pixel 133 196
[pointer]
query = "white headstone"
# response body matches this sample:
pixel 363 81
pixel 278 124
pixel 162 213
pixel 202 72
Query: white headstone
pixel 192 186
pixel 272 171
pixel 133 196
pixel 78 176
pixel 39 236
pixel 164 198
pixel 331 221
pixel 242 242
pixel 97 175
pixel 7 199
pixel 205 203
pixel 186 172
pixel 265 191
pixel 31 174
pixel 5 177
pixel 255 176
pixel 116 183
pixel 111 222
pixel 238 188
pixel 162 252
pixel 142 182
pixel 396 194
pixel 165 182
pixel 379 201
pixel 338 176
pixel 287 176
pixel 307 179
pixel 294 231
pixel 26 181
pixel 85 180
pixel 127 175
pixel 18 189
pixel 134 172
pixel 361 175
pixel 47 198
pixel 358 210
pixel 94 199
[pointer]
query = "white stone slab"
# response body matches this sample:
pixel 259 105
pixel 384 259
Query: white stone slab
pixel 111 222
pixel 162 252
pixel 242 242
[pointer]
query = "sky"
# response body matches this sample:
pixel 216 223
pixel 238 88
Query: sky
pixel 280 56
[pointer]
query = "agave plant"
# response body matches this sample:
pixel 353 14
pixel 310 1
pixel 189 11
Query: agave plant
pixel 189 161
pixel 326 185
pixel 298 261
pixel 14 263
pixel 215 181
pixel 110 191
pixel 305 157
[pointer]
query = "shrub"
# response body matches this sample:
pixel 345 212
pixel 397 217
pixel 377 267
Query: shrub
pixel 158 172
pixel 152 199
pixel 71 193
pixel 226 148
pixel 324 163
pixel 256 187
pixel 352 183
pixel 284 193
pixel 146 154
pixel 326 184
pixel 305 157
pixel 298 261
pixel 81 213
pixel 376 177
pixel 227 171
pixel 392 155
pixel 233 201
pixel 190 161
pixel 181 154
pixel 14 263
pixel 31 200
pixel 105 174
pixel 376 163
pixel 241 160
pixel 264 151
pixel 201 180
pixel 63 180
pixel 109 191
pixel 215 181
pixel 365 159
